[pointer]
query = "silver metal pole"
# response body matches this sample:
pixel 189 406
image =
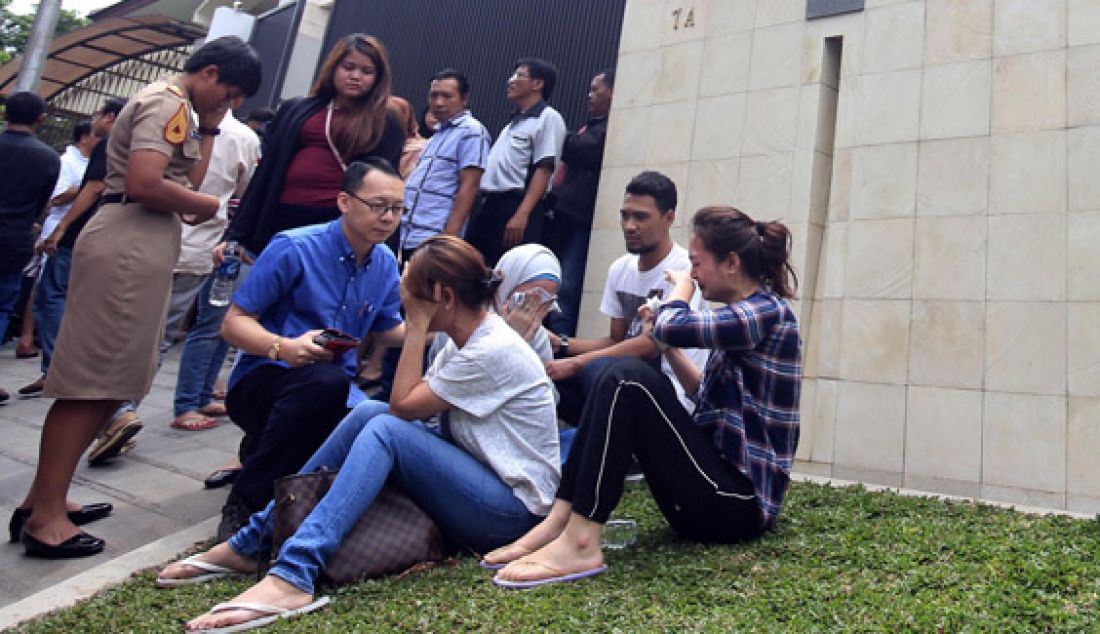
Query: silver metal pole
pixel 38 45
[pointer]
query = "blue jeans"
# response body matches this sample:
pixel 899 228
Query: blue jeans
pixel 203 354
pixel 470 503
pixel 568 238
pixel 9 296
pixel 49 301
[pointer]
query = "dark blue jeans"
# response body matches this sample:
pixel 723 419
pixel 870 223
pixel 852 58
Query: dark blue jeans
pixel 472 505
pixel 568 238
pixel 49 301
pixel 202 356
pixel 9 296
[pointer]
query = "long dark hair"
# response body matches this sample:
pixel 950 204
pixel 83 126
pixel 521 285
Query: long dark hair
pixel 764 248
pixel 452 262
pixel 365 124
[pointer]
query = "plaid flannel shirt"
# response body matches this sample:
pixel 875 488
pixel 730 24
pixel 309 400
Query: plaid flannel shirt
pixel 748 395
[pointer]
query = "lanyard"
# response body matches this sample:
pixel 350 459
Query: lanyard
pixel 328 137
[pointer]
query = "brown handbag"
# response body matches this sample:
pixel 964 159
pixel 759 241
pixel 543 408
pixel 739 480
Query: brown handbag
pixel 393 535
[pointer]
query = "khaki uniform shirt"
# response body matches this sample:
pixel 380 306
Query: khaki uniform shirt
pixel 158 118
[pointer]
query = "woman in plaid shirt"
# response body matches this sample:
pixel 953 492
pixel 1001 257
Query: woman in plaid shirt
pixel 718 474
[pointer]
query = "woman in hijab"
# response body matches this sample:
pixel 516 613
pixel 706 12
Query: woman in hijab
pixel 531 276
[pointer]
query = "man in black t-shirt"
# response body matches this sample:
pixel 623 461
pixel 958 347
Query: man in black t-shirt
pixel 30 169
pixel 53 286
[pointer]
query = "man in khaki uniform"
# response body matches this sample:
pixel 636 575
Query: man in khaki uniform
pixel 122 274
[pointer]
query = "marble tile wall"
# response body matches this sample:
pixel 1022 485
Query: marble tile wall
pixel 951 317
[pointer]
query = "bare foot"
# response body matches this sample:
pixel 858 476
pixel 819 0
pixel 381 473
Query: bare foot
pixel 542 534
pixel 577 549
pixel 271 590
pixel 221 555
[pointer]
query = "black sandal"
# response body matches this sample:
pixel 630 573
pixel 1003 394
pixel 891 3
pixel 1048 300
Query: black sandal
pixel 220 478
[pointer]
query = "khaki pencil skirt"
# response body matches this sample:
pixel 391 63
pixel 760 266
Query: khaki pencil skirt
pixel 118 295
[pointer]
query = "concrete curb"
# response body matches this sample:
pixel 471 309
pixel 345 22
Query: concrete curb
pixel 110 573
pixel 1030 510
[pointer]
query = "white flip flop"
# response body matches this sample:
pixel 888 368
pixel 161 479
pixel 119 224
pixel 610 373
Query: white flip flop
pixel 210 573
pixel 267 614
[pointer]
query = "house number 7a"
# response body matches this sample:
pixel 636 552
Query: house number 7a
pixel 688 17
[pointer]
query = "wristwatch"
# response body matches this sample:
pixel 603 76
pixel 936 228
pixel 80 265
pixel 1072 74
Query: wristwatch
pixel 563 349
pixel 273 351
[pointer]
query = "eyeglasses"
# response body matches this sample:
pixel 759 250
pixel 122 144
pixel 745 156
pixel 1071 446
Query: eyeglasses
pixel 520 75
pixel 380 209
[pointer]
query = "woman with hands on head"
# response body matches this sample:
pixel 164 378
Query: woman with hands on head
pixel 718 474
pixel 486 477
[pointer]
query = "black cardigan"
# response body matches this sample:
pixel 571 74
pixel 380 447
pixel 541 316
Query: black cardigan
pixel 253 224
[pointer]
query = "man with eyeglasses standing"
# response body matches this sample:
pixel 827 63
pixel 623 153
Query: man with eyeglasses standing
pixel 441 191
pixel 288 392
pixel 520 164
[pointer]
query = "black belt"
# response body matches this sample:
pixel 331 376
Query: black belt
pixel 508 193
pixel 110 199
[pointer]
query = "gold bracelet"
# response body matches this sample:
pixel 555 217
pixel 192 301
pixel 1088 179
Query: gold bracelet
pixel 273 351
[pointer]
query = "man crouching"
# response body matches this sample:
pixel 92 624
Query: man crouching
pixel 288 393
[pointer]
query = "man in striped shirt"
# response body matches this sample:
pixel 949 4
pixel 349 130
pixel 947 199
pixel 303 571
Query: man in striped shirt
pixel 442 189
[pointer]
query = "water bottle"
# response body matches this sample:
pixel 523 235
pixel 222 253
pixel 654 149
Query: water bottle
pixel 225 276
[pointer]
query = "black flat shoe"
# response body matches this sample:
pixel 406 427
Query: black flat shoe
pixel 87 514
pixel 220 478
pixel 80 545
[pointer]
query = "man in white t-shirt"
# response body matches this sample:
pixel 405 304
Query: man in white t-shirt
pixel 73 163
pixel 647 215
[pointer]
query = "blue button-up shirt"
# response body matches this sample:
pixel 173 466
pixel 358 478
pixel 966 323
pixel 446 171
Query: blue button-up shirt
pixel 461 142
pixel 307 278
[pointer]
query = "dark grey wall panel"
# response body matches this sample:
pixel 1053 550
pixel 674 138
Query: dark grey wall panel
pixel 482 38
pixel 823 8
pixel 269 38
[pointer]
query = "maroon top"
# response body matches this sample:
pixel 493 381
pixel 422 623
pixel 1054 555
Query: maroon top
pixel 314 176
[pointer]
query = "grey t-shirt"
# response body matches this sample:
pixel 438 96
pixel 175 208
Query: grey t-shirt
pixel 503 409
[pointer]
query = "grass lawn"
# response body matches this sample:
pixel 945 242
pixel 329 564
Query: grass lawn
pixel 840 559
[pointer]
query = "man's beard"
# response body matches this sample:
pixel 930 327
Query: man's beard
pixel 640 249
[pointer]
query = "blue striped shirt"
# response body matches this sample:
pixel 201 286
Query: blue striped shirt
pixel 461 142
pixel 748 395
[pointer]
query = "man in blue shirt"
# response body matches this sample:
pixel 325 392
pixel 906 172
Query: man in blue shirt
pixel 441 191
pixel 288 393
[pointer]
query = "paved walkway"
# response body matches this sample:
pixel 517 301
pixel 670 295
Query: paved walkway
pixel 156 489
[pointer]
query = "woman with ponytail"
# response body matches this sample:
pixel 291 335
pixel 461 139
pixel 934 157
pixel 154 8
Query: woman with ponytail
pixel 486 478
pixel 718 474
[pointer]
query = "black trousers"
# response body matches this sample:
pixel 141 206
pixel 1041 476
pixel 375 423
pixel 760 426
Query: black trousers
pixel 286 415
pixel 485 230
pixel 634 412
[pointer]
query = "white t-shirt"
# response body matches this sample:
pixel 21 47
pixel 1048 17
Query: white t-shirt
pixel 504 412
pixel 232 160
pixel 628 288
pixel 73 164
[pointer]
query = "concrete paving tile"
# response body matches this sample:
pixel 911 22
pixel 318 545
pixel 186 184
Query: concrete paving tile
pixel 156 489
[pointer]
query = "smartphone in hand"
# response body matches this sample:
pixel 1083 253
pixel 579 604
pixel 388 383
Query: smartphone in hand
pixel 336 341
